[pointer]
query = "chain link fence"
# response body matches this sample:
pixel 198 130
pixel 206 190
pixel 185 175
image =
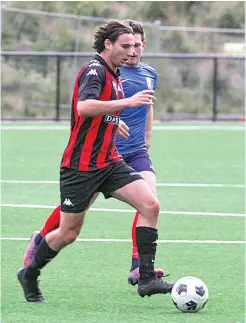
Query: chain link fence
pixel 190 86
pixel 40 85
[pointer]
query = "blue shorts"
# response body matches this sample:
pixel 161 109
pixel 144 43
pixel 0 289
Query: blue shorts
pixel 139 161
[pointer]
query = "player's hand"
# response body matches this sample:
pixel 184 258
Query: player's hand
pixel 141 98
pixel 123 130
pixel 148 144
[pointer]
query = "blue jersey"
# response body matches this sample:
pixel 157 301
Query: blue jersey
pixel 135 79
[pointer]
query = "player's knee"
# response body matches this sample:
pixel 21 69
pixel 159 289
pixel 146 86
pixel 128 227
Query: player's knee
pixel 152 207
pixel 156 207
pixel 69 236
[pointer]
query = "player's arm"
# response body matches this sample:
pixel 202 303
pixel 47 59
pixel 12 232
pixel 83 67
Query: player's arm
pixel 149 123
pixel 91 84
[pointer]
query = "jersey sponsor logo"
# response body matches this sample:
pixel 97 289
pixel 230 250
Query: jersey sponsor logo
pixel 149 83
pixel 68 202
pixel 111 119
pixel 92 72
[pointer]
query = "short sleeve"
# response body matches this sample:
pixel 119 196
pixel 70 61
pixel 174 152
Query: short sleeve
pixel 91 81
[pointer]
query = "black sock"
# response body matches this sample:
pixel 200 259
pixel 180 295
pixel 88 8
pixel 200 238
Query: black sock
pixel 43 255
pixel 146 243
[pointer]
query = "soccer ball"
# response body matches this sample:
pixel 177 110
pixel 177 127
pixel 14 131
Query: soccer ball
pixel 189 294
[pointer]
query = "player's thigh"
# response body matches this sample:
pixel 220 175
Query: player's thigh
pixel 71 222
pixel 74 221
pixel 127 185
pixel 150 179
pixel 139 195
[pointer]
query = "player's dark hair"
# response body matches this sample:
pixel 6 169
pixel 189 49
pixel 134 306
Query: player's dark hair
pixel 111 30
pixel 136 26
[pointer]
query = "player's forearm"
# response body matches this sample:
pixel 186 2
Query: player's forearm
pixel 91 108
pixel 149 122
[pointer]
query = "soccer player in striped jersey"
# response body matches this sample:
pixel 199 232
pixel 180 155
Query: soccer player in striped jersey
pixel 134 148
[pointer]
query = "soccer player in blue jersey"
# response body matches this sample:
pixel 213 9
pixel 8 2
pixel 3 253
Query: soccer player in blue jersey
pixel 133 143
pixel 137 76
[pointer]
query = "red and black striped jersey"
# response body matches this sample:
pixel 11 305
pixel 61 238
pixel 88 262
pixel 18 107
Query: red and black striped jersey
pixel 92 142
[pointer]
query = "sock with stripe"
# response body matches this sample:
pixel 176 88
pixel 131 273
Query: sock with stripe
pixel 52 223
pixel 135 260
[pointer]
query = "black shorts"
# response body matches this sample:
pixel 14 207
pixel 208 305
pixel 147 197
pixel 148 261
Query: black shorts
pixel 77 188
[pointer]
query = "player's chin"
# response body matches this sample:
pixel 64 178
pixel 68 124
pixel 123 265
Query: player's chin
pixel 132 61
pixel 122 62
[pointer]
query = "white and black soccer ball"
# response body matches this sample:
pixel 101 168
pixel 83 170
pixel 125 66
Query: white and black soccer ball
pixel 190 294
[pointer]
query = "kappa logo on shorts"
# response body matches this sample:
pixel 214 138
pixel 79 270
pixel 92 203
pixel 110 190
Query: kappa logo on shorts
pixel 68 202
pixel 112 119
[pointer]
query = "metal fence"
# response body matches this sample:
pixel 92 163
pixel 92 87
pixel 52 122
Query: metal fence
pixel 38 85
pixel 160 38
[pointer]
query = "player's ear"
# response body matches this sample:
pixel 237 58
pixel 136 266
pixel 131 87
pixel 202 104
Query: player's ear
pixel 144 44
pixel 107 44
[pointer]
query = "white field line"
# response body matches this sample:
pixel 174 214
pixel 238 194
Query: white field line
pixel 205 185
pixel 128 241
pixel 155 127
pixel 33 206
pixel 202 128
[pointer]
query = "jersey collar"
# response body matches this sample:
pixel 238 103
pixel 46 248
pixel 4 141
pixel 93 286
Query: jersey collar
pixel 101 60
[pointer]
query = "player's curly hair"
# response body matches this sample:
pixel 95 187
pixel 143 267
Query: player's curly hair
pixel 136 26
pixel 111 30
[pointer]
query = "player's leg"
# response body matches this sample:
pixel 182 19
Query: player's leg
pixel 77 190
pixel 150 179
pixel 139 195
pixel 128 186
pixel 133 276
pixel 51 224
pixel 134 269
pixel 140 162
pixel 49 247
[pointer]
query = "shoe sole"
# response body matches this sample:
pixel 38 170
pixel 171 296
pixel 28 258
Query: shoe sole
pixel 166 290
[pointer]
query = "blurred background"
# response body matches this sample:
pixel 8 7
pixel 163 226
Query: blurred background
pixel 197 48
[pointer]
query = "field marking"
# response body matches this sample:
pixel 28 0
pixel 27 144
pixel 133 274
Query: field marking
pixel 129 240
pixel 155 128
pixel 205 185
pixel 33 206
